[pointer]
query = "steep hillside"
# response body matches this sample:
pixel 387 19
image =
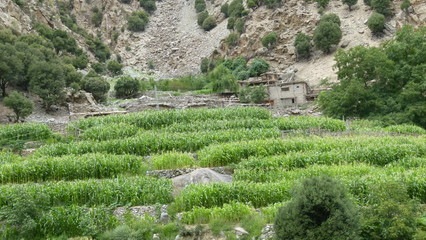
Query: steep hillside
pixel 173 44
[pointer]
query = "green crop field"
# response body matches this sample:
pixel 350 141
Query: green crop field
pixel 71 185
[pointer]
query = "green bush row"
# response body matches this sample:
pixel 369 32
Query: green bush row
pixel 71 167
pixel 118 191
pixel 155 142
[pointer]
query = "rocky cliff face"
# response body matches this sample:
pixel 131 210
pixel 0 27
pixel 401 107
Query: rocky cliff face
pixel 174 44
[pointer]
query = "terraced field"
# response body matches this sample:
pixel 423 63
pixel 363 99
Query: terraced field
pixel 75 182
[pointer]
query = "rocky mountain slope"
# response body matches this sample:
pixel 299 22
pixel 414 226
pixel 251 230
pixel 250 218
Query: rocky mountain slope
pixel 173 44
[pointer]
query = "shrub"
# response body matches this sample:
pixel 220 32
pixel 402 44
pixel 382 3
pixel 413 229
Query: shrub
pixel 201 17
pixel 114 67
pixel 21 106
pixel 350 3
pixel 381 6
pixel 137 21
pixel 231 23
pixel 127 86
pixel 224 9
pixel 232 39
pixel 326 35
pixel 302 45
pixel 331 17
pixel 323 3
pixel 376 23
pixel 209 23
pixel 98 67
pixel 257 67
pixel 240 25
pixel 253 94
pixel 99 49
pixel 236 8
pixel 98 86
pixel 320 209
pixel 97 17
pixel 269 40
pixel 405 5
pixel 200 5
pixel 367 2
pixel 148 5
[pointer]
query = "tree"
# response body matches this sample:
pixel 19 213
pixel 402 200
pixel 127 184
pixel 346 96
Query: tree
pixel 320 209
pixel 10 66
pixel 127 86
pixel 269 40
pixel 405 5
pixel 376 23
pixel 350 3
pixel 303 46
pixel 331 17
pixel 209 23
pixel 257 67
pixel 222 80
pixel 21 106
pixel 47 81
pixel 200 5
pixel 137 21
pixel 114 67
pixel 327 34
pixel 381 6
pixel 148 5
pixel 98 86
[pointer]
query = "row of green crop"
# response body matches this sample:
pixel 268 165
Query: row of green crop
pixel 358 178
pixel 71 167
pixel 109 131
pixel 227 153
pixel 8 157
pixel 172 160
pixel 157 119
pixel 363 125
pixel 118 191
pixel 23 132
pixel 379 155
pixel 154 142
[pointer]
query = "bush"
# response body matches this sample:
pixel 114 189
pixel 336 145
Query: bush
pixel 21 106
pixel 232 39
pixel 148 5
pixel 99 68
pixel 236 8
pixel 97 17
pixel 320 209
pixel 137 21
pixel 331 17
pixel 270 40
pixel 114 67
pixel 376 23
pixel 98 86
pixel 253 94
pixel 350 3
pixel 323 3
pixel 231 23
pixel 302 45
pixel 326 35
pixel 201 17
pixel 240 25
pixel 405 5
pixel 367 2
pixel 257 67
pixel 381 6
pixel 224 9
pixel 127 86
pixel 200 5
pixel 209 23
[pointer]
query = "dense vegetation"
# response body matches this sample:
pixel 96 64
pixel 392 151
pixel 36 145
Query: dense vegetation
pixel 71 186
pixel 385 83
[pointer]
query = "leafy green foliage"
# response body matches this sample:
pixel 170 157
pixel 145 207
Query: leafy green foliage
pixel 114 67
pixel 97 16
pixel 98 86
pixel 200 5
pixel 327 34
pixel 99 49
pixel 303 46
pixel 269 40
pixel 201 17
pixel 209 23
pixel 381 6
pixel 223 80
pixel 224 9
pixel 258 66
pixel 405 5
pixel 21 106
pixel 382 83
pixel 331 17
pixel 232 39
pixel 148 5
pixel 127 86
pixel 376 23
pixel 253 94
pixel 350 3
pixel 137 21
pixel 236 8
pixel 47 81
pixel 320 209
pixel 10 66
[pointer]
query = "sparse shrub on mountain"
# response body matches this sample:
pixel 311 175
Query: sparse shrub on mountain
pixel 331 17
pixel 148 5
pixel 381 6
pixel 127 86
pixel 376 23
pixel 97 16
pixel 209 23
pixel 327 34
pixel 201 17
pixel 303 46
pixel 137 21
pixel 232 39
pixel 114 67
pixel 350 3
pixel 270 40
pixel 322 3
pixel 224 9
pixel 200 5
